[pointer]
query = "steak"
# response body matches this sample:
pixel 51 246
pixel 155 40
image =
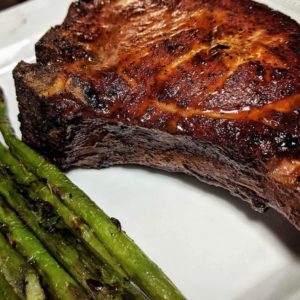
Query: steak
pixel 210 88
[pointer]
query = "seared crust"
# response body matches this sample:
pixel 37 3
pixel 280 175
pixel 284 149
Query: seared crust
pixel 210 88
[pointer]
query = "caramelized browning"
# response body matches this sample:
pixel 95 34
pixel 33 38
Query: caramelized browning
pixel 287 172
pixel 206 87
pixel 179 59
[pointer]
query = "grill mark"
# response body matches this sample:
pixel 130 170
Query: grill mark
pixel 235 45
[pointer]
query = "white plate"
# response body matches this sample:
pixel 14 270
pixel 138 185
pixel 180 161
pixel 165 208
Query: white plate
pixel 213 246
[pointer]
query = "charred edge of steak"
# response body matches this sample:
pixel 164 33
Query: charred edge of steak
pixel 40 121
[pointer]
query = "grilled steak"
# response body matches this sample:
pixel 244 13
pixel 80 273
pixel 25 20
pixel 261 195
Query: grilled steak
pixel 210 88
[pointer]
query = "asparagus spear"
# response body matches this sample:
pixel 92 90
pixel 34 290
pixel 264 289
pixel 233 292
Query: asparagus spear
pixel 7 292
pixel 33 288
pixel 140 269
pixel 19 273
pixel 37 190
pixel 59 283
pixel 97 279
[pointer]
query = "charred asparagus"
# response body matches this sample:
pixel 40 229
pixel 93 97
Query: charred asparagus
pixel 138 267
pixel 7 290
pixel 18 273
pixel 95 277
pixel 58 282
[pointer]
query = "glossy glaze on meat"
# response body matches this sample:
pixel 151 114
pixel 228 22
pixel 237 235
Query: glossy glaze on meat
pixel 209 88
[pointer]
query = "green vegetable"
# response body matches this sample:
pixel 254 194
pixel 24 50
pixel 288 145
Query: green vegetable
pixel 97 279
pixel 38 190
pixel 7 292
pixel 33 289
pixel 19 274
pixel 142 271
pixel 40 196
pixel 59 283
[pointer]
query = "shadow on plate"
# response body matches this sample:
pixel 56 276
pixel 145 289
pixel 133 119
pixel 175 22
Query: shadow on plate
pixel 282 285
pixel 271 219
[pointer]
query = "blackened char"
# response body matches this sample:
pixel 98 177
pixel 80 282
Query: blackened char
pixel 210 88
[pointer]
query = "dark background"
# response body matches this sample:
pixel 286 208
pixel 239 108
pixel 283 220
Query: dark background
pixel 7 3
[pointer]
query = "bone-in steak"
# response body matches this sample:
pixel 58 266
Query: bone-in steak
pixel 210 88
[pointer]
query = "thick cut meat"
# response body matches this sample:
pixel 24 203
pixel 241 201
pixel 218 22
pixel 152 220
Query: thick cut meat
pixel 210 88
